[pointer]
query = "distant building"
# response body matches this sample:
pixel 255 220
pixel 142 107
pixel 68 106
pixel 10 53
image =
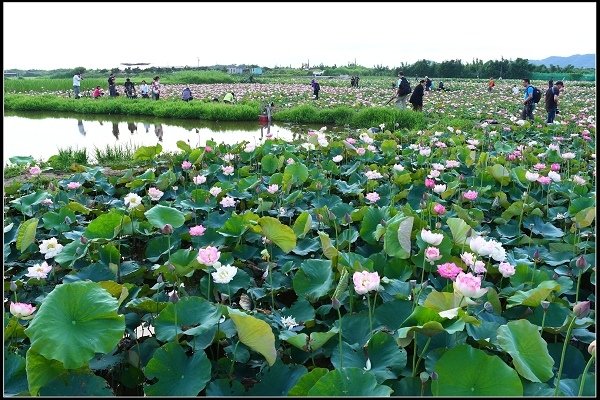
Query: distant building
pixel 318 73
pixel 235 70
pixel 256 71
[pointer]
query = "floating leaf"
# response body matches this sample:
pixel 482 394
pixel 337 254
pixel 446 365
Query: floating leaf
pixel 15 377
pixel 106 226
pixel 349 382
pixel 302 224
pixel 314 279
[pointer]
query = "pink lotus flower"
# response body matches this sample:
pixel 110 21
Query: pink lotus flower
pixel 470 195
pixel 373 197
pixel 22 310
pixel 155 194
pixel 39 271
pixel 273 188
pixel 227 170
pixel 479 267
pixel 227 201
pixel 208 149
pixel 365 282
pixel 199 179
pixel 351 140
pixel 35 170
pixel 432 254
pixel 215 190
pixel 544 180
pixel 360 151
pixel 448 270
pixel 539 166
pixel 197 230
pixel 429 183
pixel 208 256
pixel 73 185
pixel 439 209
pixel 506 269
pixel 469 285
pixel 186 165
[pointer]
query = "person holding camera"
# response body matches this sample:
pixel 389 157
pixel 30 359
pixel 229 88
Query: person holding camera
pixel 77 84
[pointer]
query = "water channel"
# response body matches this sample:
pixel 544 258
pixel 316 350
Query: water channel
pixel 42 134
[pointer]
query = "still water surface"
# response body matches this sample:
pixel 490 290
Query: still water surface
pixel 41 135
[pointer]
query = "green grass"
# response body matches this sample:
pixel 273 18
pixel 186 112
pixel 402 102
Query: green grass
pixel 118 154
pixel 66 157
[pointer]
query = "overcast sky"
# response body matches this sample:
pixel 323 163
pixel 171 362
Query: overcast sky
pixel 104 35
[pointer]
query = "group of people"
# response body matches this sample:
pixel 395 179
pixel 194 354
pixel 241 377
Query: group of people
pixel 403 92
pixel 354 81
pixel 130 90
pixel 550 100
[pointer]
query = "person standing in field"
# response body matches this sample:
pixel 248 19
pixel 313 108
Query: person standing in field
pixel 316 88
pixel 416 99
pixel 144 89
pixel 428 83
pixel 528 104
pixel 402 91
pixel 491 84
pixel 112 89
pixel 551 100
pixel 130 89
pixel 156 88
pixel 77 84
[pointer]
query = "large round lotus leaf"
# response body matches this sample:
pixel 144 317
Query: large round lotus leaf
pixel 349 382
pixel 77 385
pixel 75 321
pixel 466 371
pixel 159 216
pixel 178 374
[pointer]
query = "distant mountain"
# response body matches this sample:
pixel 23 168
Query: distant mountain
pixel 578 61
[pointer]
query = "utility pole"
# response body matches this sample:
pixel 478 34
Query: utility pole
pixel 198 61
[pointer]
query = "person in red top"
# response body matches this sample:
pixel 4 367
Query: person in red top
pixel 97 92
pixel 491 84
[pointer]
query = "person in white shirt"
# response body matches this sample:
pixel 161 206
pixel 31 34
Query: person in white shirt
pixel 77 84
pixel 144 89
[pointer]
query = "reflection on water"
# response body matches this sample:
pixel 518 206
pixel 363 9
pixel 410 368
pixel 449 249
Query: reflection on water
pixel 41 135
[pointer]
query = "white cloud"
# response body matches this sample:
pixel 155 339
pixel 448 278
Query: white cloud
pixel 104 35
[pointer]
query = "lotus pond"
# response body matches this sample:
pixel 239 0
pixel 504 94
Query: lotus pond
pixel 456 260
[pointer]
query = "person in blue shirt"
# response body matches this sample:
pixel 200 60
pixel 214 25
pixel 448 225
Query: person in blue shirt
pixel 528 103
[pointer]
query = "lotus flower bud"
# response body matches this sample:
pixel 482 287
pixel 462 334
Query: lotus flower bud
pixel 545 304
pixel 592 348
pixel 83 239
pixel 536 255
pixel 413 283
pixel 582 309
pixel 167 229
pixel 434 376
pixel 488 306
pixel 347 218
pixel 424 376
pixel 13 286
pixel 173 296
pixel 159 279
pixel 581 262
pixel 335 303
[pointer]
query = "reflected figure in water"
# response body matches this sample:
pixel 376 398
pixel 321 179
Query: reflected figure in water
pixel 115 129
pixel 132 127
pixel 81 128
pixel 147 126
pixel 158 130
